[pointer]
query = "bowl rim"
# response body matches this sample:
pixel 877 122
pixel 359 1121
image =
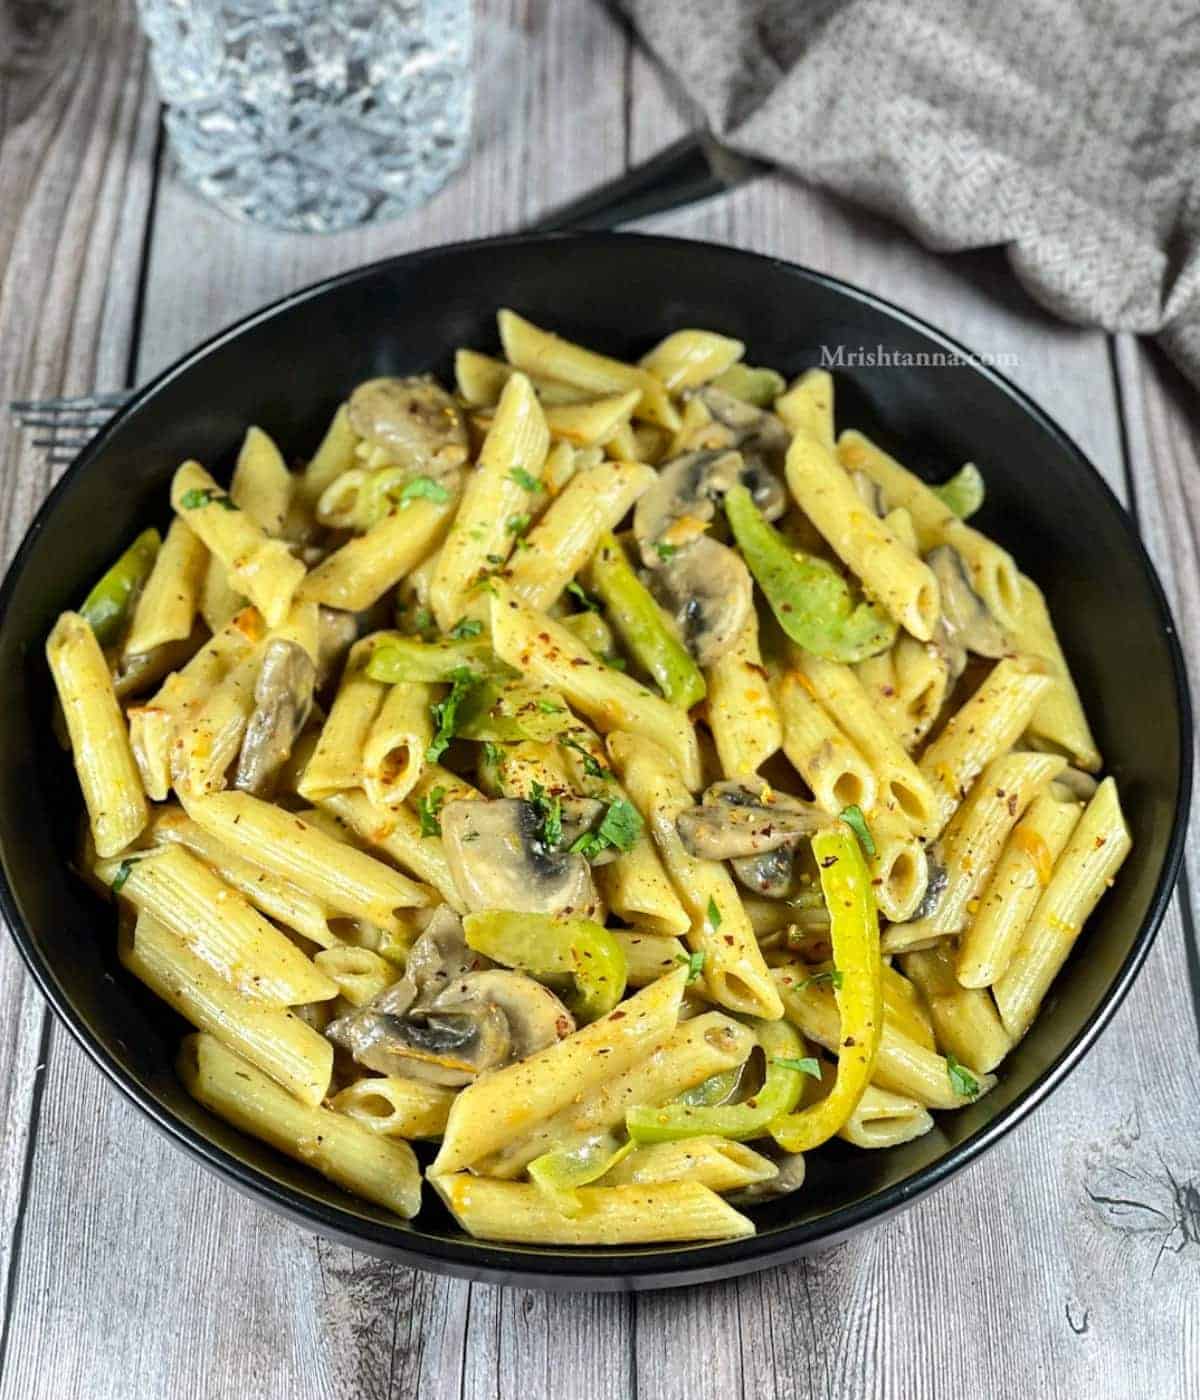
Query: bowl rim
pixel 672 1265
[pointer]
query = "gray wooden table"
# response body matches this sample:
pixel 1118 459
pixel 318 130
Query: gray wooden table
pixel 1067 1263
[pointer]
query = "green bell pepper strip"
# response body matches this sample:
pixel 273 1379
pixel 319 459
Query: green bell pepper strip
pixel 760 387
pixel 552 949
pixel 780 1093
pixel 396 658
pixel 964 492
pixel 508 711
pixel 641 626
pixel 809 597
pixel 714 1090
pixel 106 607
pixel 854 934
pixel 557 1173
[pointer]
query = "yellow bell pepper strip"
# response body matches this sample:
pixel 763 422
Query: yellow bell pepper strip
pixel 810 598
pixel 396 658
pixel 641 626
pixel 761 387
pixel 780 1093
pixel 854 933
pixel 964 492
pixel 106 607
pixel 555 949
pixel 557 1173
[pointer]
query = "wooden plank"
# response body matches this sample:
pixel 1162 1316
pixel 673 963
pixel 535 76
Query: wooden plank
pixel 77 127
pixel 1020 1268
pixel 269 1309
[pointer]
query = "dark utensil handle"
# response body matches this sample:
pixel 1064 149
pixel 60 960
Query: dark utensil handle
pixel 692 168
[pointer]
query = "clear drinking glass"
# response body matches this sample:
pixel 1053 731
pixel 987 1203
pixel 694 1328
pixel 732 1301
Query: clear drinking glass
pixel 314 115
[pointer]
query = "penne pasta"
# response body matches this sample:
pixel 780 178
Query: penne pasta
pixel 393 752
pixel 378 1168
pixel 358 574
pixel 807 406
pixel 837 773
pixel 714 1162
pixel 166 610
pixel 104 759
pixel 734 972
pixel 396 1107
pixel 884 1119
pixel 637 889
pixel 742 714
pixel 965 1020
pixel 687 359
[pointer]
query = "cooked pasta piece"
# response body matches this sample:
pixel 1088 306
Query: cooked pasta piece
pixel 104 760
pixel 286 903
pixel 833 768
pixel 393 752
pixel 495 506
pixel 260 567
pixel 899 866
pixel 965 1020
pixel 742 714
pixel 1020 876
pixel 884 1119
pixel 360 973
pixel 592 503
pixel 988 725
pixel 271 1037
pixel 733 968
pixel 992 571
pixel 1091 858
pixel 334 456
pixel 378 1168
pixel 971 844
pixel 689 358
pixel 808 406
pixel 715 1162
pixel 507 1104
pixel 908 686
pixel 359 573
pixel 539 352
pixel 890 572
pixel 648 956
pixel 218 925
pixel 642 1214
pixel 900 785
pixel 337 760
pixel 396 1107
pixel 166 610
pixel 347 880
pixel 637 889
pixel 547 652
pixel 1059 717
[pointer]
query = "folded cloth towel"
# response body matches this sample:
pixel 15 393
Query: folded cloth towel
pixel 1066 130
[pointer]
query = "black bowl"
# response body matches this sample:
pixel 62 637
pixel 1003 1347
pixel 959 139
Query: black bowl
pixel 287 367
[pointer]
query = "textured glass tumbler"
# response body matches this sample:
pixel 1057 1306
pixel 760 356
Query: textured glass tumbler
pixel 314 115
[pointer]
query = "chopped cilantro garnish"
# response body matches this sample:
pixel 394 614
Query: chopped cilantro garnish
pixel 493 754
pixel 808 1065
pixel 445 713
pixel 205 496
pixel 549 810
pixel 854 819
pixel 424 487
pixel 714 914
pixel 962 1081
pixel 620 829
pixel 517 524
pixel 548 707
pixel 590 766
pixel 466 628
pixel 124 871
pixel 666 551
pixel 524 479
pixel 694 963
pixel 831 975
pixel 583 597
pixel 428 808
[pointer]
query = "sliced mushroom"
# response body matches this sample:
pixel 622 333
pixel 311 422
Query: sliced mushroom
pixel 968 622
pixel 283 696
pixel 709 592
pixel 451 1048
pixel 441 955
pixel 791 1178
pixel 769 874
pixel 336 631
pixel 536 1018
pixel 414 420
pixel 684 499
pixel 584 814
pixel 499 860
pixel 738 820
pixel 758 434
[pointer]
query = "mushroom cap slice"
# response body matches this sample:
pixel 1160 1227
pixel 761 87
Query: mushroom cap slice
pixel 756 432
pixel 968 622
pixel 536 1018
pixel 283 695
pixel 689 487
pixel 413 419
pixel 450 1049
pixel 741 820
pixel 709 592
pixel 769 874
pixel 499 861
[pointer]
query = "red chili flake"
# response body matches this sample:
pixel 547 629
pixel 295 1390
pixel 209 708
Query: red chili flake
pixel 617 1016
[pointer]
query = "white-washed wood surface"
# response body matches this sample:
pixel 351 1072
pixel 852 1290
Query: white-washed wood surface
pixel 1066 1263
